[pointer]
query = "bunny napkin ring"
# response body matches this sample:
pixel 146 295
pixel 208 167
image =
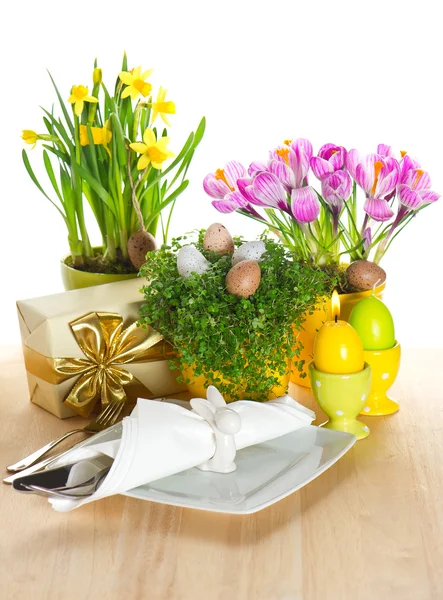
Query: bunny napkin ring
pixel 225 423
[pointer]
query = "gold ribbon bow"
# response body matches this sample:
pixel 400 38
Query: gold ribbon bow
pixel 107 347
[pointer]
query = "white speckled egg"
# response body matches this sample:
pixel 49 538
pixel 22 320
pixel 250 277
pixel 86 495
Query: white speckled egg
pixel 249 251
pixel 218 239
pixel 243 278
pixel 190 260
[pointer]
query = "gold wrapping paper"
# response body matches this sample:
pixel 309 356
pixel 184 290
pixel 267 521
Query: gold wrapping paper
pixel 73 361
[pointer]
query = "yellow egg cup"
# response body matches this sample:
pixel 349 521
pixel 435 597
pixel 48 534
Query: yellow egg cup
pixel 342 397
pixel 385 365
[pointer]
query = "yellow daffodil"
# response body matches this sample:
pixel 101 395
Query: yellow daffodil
pixel 29 136
pixel 78 97
pixel 152 151
pixel 100 135
pixel 162 107
pixel 135 82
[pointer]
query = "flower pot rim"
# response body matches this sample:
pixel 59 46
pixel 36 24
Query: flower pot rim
pixel 358 295
pixel 94 273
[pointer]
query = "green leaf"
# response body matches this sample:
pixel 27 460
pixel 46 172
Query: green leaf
pixel 63 107
pixel 50 172
pixel 167 201
pixel 36 182
pixel 122 154
pixel 64 157
pixel 98 189
pixel 199 132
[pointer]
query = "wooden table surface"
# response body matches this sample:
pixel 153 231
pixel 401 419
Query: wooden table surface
pixel 369 528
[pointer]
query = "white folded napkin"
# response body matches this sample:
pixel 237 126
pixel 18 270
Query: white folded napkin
pixel 159 439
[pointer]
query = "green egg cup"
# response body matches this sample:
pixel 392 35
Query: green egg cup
pixel 342 398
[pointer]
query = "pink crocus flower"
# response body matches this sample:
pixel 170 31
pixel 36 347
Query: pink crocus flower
pixel 336 189
pixel 367 239
pixel 378 176
pixel 265 189
pixel 305 205
pixel 415 192
pixel 296 156
pixel 222 185
pixel 330 158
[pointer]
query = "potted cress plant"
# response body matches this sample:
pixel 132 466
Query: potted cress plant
pixel 227 307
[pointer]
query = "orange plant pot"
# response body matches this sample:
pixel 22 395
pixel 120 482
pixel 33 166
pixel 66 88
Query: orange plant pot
pixel 315 320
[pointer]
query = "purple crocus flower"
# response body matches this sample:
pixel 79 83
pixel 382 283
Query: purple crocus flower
pixel 378 176
pixel 265 189
pixel 415 192
pixel 336 189
pixel 222 185
pixel 305 205
pixel 367 239
pixel 330 158
pixel 296 155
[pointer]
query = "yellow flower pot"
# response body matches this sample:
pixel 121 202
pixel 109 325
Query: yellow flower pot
pixel 198 388
pixel 385 365
pixel 314 321
pixel 74 279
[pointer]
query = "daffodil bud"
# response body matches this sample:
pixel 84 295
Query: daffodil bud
pixel 97 75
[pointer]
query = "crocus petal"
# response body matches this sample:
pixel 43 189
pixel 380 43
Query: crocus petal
pixel 269 189
pixel 336 188
pixel 407 164
pixel 364 178
pixel 335 155
pixel 384 150
pixel 321 167
pixel 216 188
pixel 352 160
pixel 257 166
pixel 226 205
pixel 387 183
pixel 428 196
pixel 378 209
pixel 367 237
pixel 302 146
pixel 233 171
pixel 283 172
pixel 305 205
pixel 238 198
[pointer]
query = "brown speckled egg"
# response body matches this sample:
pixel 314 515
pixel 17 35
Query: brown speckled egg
pixel 139 244
pixel 364 274
pixel 243 278
pixel 218 239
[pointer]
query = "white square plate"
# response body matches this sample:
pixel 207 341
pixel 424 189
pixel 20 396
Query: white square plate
pixel 265 474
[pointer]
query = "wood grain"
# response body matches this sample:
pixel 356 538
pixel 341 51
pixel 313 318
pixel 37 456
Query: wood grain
pixel 370 528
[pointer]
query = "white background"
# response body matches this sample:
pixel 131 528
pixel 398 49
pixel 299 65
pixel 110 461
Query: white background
pixel 355 73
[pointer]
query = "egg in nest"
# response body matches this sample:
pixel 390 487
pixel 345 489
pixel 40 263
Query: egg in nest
pixel 190 260
pixel 218 239
pixel 243 278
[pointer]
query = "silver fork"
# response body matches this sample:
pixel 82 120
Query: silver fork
pixel 109 416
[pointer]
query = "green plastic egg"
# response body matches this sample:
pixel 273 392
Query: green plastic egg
pixel 374 324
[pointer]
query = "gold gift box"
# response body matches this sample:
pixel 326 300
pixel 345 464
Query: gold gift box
pixel 84 340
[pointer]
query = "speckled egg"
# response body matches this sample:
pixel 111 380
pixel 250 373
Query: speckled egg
pixel 364 274
pixel 139 244
pixel 190 260
pixel 249 251
pixel 243 278
pixel 218 239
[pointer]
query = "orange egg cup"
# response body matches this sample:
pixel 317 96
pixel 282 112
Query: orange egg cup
pixel 385 365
